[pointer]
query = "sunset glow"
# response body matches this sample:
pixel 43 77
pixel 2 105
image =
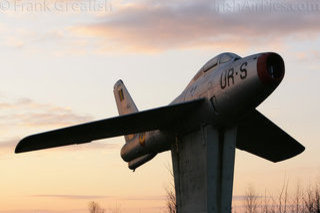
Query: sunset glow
pixel 58 68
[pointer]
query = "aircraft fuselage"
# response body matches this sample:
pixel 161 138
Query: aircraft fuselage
pixel 230 86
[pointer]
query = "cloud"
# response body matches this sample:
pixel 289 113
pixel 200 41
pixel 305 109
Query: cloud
pixel 44 211
pixel 8 146
pixel 151 26
pixel 23 116
pixel 26 112
pixel 20 117
pixel 14 38
pixel 72 197
pixel 95 197
pixel 144 198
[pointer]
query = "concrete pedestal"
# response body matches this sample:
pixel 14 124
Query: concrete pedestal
pixel 203 166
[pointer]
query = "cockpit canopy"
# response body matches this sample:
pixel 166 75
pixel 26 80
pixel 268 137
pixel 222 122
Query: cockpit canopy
pixel 215 62
pixel 218 60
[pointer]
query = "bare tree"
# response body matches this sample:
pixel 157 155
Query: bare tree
pixel 95 208
pixel 296 206
pixel 116 209
pixel 312 200
pixel 171 200
pixel 301 201
pixel 272 206
pixel 266 203
pixel 317 199
pixel 251 201
pixel 283 198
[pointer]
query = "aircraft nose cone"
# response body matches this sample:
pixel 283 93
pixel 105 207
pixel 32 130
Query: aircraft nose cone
pixel 270 68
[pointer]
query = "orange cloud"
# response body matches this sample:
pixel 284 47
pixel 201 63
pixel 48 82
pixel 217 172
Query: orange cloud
pixel 73 197
pixel 95 197
pixel 150 26
pixel 26 112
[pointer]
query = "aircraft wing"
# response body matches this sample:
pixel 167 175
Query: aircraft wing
pixel 158 118
pixel 260 136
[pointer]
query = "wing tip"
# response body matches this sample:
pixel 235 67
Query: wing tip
pixel 19 147
pixel 18 151
pixel 300 149
pixel 23 146
pixel 297 151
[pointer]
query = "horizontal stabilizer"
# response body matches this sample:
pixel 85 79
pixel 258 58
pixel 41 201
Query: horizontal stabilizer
pixel 258 135
pixel 158 118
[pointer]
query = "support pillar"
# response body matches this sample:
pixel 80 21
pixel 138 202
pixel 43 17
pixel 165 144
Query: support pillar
pixel 203 166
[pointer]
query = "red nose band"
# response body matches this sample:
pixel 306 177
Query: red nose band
pixel 270 68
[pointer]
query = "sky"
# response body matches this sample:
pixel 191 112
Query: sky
pixel 60 60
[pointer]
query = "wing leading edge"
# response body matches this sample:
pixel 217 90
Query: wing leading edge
pixel 158 118
pixel 260 136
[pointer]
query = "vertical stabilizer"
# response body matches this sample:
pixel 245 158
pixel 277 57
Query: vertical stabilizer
pixel 125 103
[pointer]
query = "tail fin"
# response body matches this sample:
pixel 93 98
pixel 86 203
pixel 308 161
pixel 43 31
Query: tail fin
pixel 125 104
pixel 124 101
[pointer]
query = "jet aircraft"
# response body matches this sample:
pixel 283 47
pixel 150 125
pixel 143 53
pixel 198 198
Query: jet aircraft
pixel 213 115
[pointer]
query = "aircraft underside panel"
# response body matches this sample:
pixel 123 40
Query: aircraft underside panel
pixel 203 166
